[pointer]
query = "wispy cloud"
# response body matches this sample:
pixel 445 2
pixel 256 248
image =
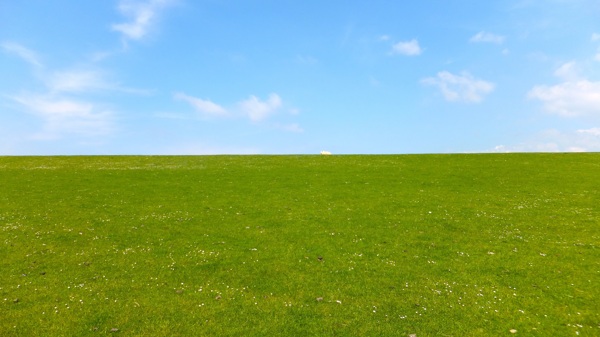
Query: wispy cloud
pixel 592 132
pixel 568 71
pixel 81 80
pixel 76 81
pixel 142 16
pixel 206 108
pixel 407 48
pixel 486 37
pixel 595 37
pixel 64 106
pixel 460 88
pixel 253 108
pixel 294 127
pixel 64 115
pixel 257 109
pixel 24 53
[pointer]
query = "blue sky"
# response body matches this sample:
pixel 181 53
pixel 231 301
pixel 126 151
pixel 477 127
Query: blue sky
pixel 287 77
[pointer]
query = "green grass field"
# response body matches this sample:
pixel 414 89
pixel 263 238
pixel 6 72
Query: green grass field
pixel 432 245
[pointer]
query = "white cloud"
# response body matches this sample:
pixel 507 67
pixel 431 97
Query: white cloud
pixel 258 110
pixel 76 81
pixel 83 80
pixel 384 38
pixel 205 107
pixel 568 71
pixel 64 115
pixel 592 131
pixel 294 127
pixel 569 99
pixel 26 54
pixel 252 108
pixel 408 48
pixel 597 57
pixel 60 114
pixel 485 37
pixel 71 80
pixel 460 88
pixel 142 15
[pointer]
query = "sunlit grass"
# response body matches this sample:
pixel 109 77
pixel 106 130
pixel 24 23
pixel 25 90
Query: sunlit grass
pixel 458 245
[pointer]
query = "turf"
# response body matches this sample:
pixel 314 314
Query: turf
pixel 432 245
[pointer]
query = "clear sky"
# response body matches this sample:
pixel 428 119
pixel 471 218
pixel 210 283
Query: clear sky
pixel 298 76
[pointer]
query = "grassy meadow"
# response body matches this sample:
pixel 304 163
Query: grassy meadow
pixel 432 245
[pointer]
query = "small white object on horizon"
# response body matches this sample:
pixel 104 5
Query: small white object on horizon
pixel 326 153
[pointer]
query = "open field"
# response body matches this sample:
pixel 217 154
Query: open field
pixel 432 245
